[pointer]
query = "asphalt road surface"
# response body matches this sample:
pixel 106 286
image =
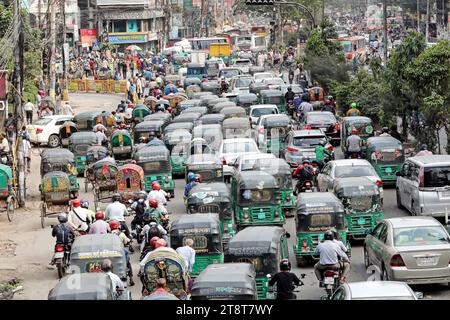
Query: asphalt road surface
pixel 26 249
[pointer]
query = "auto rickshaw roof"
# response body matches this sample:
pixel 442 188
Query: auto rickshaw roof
pixel 55 174
pixel 83 137
pixel 198 95
pixel 273 166
pixel 178 136
pixel 7 169
pixel 231 110
pixel 153 153
pixel 213 116
pixel 312 202
pixel 203 159
pixel 179 125
pixel 69 124
pixel 236 275
pixel 256 240
pixel 56 155
pixel 190 102
pixel 271 93
pixel 149 125
pixel 123 132
pixel 225 104
pixel 254 179
pixel 106 161
pixel 89 115
pixel 209 97
pixel 213 102
pixel 210 84
pixel 187 117
pixel 192 80
pixel 200 129
pixel 220 187
pixel 197 221
pixel 95 242
pixel 200 109
pixel 158 116
pixel 236 121
pixel 349 120
pixel 90 286
pixel 384 142
pixel 355 186
pixel 246 97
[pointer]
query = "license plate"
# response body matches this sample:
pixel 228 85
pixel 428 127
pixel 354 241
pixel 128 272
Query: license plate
pixel 388 170
pixel 261 215
pixel 361 221
pixel 59 255
pixel 329 280
pixel 425 262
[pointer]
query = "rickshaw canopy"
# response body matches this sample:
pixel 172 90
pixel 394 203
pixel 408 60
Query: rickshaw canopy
pixel 212 119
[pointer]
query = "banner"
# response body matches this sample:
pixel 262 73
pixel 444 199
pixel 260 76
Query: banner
pixel 88 37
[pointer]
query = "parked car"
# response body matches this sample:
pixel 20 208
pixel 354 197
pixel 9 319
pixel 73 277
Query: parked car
pixel 375 290
pixel 45 131
pixel 415 250
pixel 230 149
pixel 423 185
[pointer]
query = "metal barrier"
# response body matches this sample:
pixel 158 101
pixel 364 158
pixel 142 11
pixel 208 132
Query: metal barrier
pixel 98 86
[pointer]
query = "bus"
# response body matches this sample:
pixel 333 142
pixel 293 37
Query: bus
pixel 258 30
pixel 202 44
pixel 353 46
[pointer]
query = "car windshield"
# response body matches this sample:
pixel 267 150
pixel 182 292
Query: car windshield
pixel 324 117
pixel 243 82
pixel 229 73
pixel 239 147
pixel 419 236
pixel 309 141
pixel 263 111
pixel 437 177
pixel 354 171
pixel 42 122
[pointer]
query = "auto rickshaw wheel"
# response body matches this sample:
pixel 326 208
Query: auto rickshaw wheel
pixel 10 209
pixel 43 213
pixel 302 262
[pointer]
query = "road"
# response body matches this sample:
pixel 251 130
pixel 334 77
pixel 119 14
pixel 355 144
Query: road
pixel 26 248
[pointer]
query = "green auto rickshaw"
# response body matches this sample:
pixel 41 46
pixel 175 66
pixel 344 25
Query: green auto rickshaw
pixel 140 112
pixel 214 197
pixel 147 129
pixel 364 125
pixel 362 204
pixel 8 199
pixel 85 121
pixel 272 96
pixel 61 160
pixel 277 127
pixel 79 143
pixel 155 160
pixel 177 142
pixel 228 281
pixel 386 155
pixel 281 170
pixel 264 247
pixel 121 145
pixel 256 199
pixel 317 212
pixel 204 230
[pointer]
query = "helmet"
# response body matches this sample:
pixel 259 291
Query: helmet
pixel 122 126
pixel 328 235
pixel 306 160
pixel 160 243
pixel 62 217
pixel 153 241
pixel 84 204
pixel 289 89
pixel 354 131
pixel 191 176
pixel 285 265
pixel 156 186
pixel 423 147
pixel 353 105
pixel 198 178
pixel 76 203
pixel 142 195
pixel 114 225
pixel 153 203
pixel 99 215
pixel 169 109
pixel 116 197
pixel 330 97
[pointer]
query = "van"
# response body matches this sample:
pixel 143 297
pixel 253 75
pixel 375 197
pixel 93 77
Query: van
pixel 423 185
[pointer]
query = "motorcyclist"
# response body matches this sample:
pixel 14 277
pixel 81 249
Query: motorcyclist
pixel 424 151
pixel 353 111
pixel 100 226
pixel 290 95
pixel 151 230
pixel 139 206
pixel 286 281
pixel 320 152
pixel 78 218
pixel 304 172
pixel 353 144
pixel 328 106
pixel 330 252
pixel 62 231
pixel 159 195
pixel 117 211
pixel 305 106
pixel 90 214
pixel 193 180
pixel 115 229
pixel 154 213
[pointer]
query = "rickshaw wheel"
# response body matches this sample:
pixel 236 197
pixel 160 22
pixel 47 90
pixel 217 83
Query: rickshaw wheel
pixel 10 209
pixel 43 213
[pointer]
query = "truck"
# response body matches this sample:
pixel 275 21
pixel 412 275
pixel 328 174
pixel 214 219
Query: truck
pixel 220 50
pixel 199 57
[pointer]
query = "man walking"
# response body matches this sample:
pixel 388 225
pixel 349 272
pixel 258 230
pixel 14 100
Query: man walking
pixel 29 109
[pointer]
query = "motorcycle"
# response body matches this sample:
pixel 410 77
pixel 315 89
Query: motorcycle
pixel 61 259
pixel 271 295
pixel 331 280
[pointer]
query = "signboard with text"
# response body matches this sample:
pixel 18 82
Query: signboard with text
pixel 88 37
pixel 128 38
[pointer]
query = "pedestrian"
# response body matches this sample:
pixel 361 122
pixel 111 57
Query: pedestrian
pixel 67 109
pixel 26 150
pixel 29 109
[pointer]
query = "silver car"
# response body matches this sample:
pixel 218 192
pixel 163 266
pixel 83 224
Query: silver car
pixel 415 250
pixel 300 144
pixel 423 185
pixel 375 290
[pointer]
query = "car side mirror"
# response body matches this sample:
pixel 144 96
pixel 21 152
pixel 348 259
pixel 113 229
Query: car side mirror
pixel 419 295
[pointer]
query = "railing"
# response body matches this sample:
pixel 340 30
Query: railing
pixel 98 86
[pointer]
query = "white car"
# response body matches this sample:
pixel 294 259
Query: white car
pixel 45 131
pixel 241 84
pixel 259 110
pixel 375 290
pixel 243 65
pixel 231 149
pixel 274 83
pixel 260 76
pixel 345 168
pixel 247 161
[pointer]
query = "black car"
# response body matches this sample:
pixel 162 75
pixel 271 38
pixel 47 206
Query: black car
pixel 326 121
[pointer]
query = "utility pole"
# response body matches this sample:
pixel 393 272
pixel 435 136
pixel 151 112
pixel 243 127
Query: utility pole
pixel 385 46
pixel 39 15
pixel 65 87
pixel 52 8
pixel 427 21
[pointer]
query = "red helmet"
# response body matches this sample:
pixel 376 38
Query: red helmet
pixel 153 241
pixel 122 126
pixel 114 225
pixel 169 109
pixel 354 131
pixel 76 203
pixel 156 186
pixel 153 203
pixel 99 215
pixel 160 243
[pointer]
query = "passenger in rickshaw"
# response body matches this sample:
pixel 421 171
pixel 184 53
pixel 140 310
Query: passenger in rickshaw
pixel 116 229
pixel 353 144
